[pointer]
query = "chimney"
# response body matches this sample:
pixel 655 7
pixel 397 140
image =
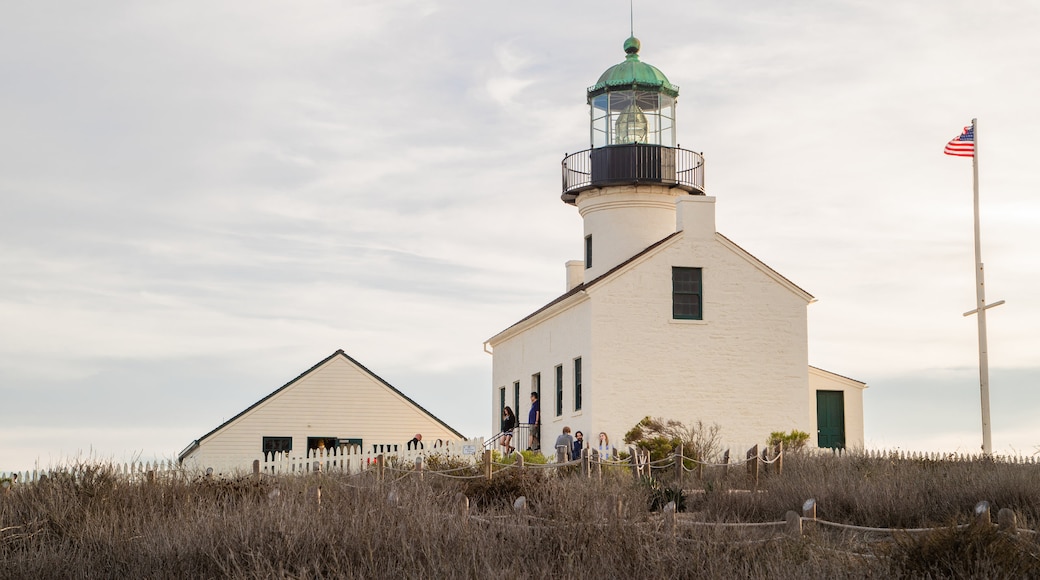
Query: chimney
pixel 695 214
pixel 575 273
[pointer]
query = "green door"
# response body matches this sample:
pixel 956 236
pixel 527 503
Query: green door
pixel 830 419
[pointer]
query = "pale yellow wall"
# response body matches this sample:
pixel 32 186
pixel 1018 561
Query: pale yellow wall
pixel 821 380
pixel 337 399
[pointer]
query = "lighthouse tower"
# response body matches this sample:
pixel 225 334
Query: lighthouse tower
pixel 627 184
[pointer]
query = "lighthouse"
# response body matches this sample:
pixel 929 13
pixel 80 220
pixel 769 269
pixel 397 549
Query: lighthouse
pixel 665 316
pixel 626 184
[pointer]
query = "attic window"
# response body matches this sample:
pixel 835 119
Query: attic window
pixel 588 251
pixel 686 293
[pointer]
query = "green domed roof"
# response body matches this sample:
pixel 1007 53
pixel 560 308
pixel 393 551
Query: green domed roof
pixel 633 73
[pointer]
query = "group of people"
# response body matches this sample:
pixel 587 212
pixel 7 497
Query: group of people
pixel 568 447
pixel 573 445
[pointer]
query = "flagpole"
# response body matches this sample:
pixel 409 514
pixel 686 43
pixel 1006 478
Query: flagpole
pixel 980 304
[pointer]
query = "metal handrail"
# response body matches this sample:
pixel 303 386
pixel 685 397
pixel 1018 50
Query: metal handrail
pixel 635 163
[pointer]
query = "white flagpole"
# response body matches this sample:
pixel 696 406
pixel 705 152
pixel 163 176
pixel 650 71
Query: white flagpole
pixel 980 304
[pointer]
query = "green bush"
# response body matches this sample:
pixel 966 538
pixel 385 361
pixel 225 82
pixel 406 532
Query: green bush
pixel 793 440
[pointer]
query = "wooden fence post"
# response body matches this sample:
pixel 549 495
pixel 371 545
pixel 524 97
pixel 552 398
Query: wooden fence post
pixel 586 466
pixel 462 507
pixel 809 512
pixel 520 460
pixel 779 458
pixel 419 467
pixel 794 524
pixel 725 463
pixel 256 467
pixel 982 513
pixel 520 506
pixel 634 460
pixel 380 467
pixel 487 463
pixel 669 518
pixel 752 464
pixel 1007 521
pixel 679 464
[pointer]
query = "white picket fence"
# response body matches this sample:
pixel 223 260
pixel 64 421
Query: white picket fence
pixel 348 460
pixel 356 461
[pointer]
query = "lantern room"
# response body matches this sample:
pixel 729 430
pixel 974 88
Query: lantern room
pixel 632 102
pixel 632 133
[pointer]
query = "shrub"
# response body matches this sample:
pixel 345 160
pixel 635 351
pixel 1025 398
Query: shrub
pixel 658 495
pixel 793 440
pixel 661 436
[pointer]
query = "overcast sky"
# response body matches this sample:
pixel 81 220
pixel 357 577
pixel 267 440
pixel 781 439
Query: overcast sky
pixel 201 200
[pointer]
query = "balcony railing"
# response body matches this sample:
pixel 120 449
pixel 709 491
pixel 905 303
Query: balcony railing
pixel 632 164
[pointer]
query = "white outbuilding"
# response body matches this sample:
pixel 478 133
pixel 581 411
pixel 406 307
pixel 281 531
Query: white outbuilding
pixel 665 316
pixel 335 405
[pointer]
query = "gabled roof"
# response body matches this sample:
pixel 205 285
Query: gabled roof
pixel 580 288
pixel 765 267
pixel 586 285
pixel 195 444
pixel 827 372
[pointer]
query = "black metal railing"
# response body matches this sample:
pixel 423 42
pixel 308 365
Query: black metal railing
pixel 521 437
pixel 632 164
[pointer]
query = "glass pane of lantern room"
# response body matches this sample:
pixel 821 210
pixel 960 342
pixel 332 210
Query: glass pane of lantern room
pixel 619 101
pixel 648 103
pixel 600 121
pixel 667 121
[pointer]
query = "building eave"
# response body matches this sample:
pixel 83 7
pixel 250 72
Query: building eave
pixel 568 299
pixel 850 381
pixel 764 268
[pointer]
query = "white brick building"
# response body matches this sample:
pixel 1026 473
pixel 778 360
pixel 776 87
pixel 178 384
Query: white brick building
pixel 665 316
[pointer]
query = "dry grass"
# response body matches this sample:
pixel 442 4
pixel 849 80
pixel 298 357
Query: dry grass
pixel 97 525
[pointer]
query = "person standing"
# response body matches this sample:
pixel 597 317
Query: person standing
pixel 579 444
pixel 564 445
pixel 534 420
pixel 606 451
pixel 415 443
pixel 508 424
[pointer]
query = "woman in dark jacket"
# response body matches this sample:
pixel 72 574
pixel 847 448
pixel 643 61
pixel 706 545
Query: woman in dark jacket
pixel 508 424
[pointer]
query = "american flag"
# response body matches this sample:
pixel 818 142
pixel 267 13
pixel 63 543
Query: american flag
pixel 962 145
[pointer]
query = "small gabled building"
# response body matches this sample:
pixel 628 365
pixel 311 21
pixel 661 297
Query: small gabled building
pixel 665 316
pixel 334 405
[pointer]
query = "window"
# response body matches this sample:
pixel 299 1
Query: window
pixel 577 384
pixel 347 444
pixel 686 293
pixel 559 390
pixel 502 400
pixel 320 446
pixel 588 252
pixel 516 397
pixel 536 384
pixel 272 445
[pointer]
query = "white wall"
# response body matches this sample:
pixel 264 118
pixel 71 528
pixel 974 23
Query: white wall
pixel 625 220
pixel 556 341
pixel 744 366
